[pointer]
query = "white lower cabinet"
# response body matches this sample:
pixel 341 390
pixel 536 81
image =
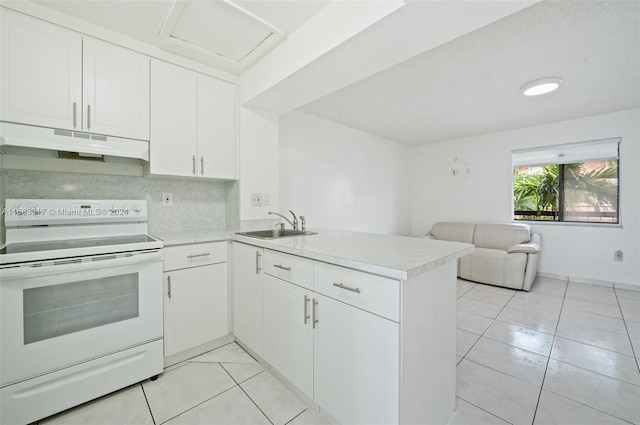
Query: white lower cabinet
pixel 288 331
pixel 367 349
pixel 356 363
pixel 196 301
pixel 247 295
pixel 344 358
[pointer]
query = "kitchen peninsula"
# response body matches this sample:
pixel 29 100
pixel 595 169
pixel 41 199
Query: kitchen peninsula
pixel 362 325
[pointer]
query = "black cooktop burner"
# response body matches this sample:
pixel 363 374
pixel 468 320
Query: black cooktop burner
pixel 17 248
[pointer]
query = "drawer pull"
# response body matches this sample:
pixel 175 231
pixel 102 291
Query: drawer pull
pixel 258 262
pixel 306 309
pixel 342 286
pixel 198 255
pixel 278 266
pixel 313 312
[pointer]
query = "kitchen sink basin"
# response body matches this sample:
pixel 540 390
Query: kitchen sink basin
pixel 275 233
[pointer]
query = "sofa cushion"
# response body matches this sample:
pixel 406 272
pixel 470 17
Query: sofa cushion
pixel 494 266
pixel 500 236
pixel 455 232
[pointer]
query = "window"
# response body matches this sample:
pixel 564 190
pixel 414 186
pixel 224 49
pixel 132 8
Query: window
pixel 577 182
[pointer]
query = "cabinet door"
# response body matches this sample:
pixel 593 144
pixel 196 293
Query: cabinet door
pixel 196 307
pixel 173 120
pixel 41 67
pixel 247 295
pixel 216 128
pixel 115 90
pixel 356 366
pixel 288 331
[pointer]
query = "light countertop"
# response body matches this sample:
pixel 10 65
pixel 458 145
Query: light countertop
pixel 184 237
pixel 397 257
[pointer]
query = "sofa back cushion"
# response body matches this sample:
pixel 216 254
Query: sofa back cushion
pixel 500 236
pixel 455 232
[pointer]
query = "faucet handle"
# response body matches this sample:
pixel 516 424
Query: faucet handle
pixel 295 220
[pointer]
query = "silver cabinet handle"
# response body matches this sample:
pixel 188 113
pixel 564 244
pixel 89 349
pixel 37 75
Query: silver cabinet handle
pixel 306 309
pixel 202 165
pixel 193 165
pixel 342 286
pixel 75 115
pixel 169 285
pixel 278 266
pixel 314 313
pixel 198 255
pixel 257 262
pixel 88 117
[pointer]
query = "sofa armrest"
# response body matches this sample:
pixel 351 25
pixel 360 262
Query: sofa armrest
pixel 531 247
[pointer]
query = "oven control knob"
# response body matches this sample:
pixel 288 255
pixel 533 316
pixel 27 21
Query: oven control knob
pixel 136 208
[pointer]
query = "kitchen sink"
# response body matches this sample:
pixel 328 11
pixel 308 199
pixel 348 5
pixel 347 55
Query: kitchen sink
pixel 275 233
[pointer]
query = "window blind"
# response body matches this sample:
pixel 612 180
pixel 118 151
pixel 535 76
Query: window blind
pixel 567 153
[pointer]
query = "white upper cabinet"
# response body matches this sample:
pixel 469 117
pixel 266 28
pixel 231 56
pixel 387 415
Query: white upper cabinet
pixel 216 128
pixel 115 90
pixel 173 120
pixel 54 77
pixel 193 124
pixel 41 72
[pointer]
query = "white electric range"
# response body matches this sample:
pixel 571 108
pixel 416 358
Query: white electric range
pixel 80 303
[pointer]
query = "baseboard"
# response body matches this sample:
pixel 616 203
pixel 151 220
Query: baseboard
pixel 555 276
pixel 626 286
pixel 196 351
pixel 589 281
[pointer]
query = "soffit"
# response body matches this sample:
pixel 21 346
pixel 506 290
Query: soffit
pixel 471 85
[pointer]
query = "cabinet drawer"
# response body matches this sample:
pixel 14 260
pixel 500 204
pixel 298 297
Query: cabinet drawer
pixel 378 295
pixel 287 267
pixel 180 257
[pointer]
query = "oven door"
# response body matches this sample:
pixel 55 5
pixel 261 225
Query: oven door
pixel 66 312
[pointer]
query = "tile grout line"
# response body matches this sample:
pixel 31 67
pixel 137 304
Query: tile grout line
pixel 473 345
pixel 147 401
pixel 252 401
pixel 186 362
pixel 555 331
pixel 633 351
pixel 485 330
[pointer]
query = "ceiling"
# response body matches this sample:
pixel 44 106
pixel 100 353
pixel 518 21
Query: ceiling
pixel 228 34
pixel 471 85
pixel 467 86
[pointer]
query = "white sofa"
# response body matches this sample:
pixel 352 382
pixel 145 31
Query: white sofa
pixel 505 254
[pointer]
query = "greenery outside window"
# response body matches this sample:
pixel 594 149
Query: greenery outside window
pixel 576 183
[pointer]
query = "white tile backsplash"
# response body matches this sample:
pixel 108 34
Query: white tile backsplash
pixel 197 204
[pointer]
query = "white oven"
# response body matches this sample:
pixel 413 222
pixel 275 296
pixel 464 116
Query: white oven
pixel 79 317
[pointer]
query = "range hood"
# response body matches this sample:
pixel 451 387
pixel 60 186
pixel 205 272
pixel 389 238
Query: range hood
pixel 27 140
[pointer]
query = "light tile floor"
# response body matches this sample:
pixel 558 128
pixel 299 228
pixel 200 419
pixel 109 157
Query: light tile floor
pixel 563 353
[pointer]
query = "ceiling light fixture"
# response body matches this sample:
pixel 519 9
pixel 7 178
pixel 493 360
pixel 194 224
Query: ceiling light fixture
pixel 541 86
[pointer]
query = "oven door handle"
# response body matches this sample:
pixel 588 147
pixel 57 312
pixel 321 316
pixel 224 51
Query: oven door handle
pixel 49 267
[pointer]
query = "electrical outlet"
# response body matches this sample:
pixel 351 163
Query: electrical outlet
pixel 618 256
pixel 256 199
pixel 167 198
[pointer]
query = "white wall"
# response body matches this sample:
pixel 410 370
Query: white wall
pixel 341 178
pixel 580 252
pixel 258 161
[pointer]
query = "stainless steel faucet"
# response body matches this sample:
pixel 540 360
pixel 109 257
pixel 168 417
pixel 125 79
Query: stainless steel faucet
pixel 293 223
